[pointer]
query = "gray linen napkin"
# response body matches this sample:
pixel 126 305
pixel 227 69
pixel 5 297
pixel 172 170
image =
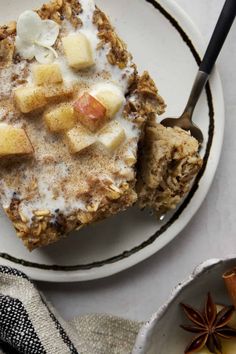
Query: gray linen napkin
pixel 30 325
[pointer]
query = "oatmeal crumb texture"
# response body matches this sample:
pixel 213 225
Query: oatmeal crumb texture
pixel 79 110
pixel 168 163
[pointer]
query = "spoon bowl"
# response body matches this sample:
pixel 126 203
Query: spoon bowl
pixel 185 123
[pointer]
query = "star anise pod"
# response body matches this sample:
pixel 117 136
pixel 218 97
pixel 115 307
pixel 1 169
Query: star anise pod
pixel 209 326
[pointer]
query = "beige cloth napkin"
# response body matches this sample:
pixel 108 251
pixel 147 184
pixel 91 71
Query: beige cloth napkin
pixel 100 334
pixel 30 325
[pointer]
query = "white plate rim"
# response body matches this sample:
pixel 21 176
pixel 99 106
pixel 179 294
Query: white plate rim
pixel 111 268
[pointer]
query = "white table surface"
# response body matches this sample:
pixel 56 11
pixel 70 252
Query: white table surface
pixel 138 292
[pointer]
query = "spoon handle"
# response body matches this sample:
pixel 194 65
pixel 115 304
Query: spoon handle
pixel 220 33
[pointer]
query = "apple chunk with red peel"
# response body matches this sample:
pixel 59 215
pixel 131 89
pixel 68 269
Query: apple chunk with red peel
pixel 14 141
pixel 90 112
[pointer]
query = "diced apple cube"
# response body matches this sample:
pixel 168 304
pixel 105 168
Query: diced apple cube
pixel 79 138
pixel 78 51
pixel 112 100
pixel 58 92
pixel 47 74
pixel 14 141
pixel 60 119
pixel 90 112
pixel 29 98
pixel 112 135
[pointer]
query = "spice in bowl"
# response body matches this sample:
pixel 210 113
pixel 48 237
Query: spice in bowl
pixel 214 328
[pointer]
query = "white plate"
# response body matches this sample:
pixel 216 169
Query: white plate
pixel 164 41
